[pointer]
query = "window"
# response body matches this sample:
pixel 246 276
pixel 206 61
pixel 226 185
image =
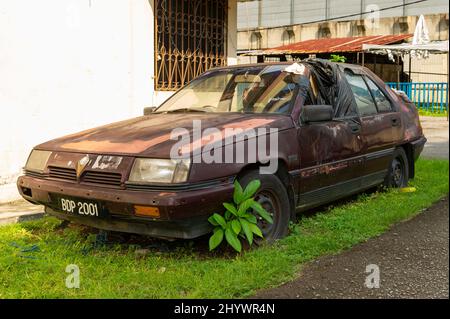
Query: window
pixel 202 94
pixel 260 89
pixel 190 38
pixel 364 101
pixel 277 98
pixel 381 100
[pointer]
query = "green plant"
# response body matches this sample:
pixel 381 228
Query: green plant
pixel 338 58
pixel 238 222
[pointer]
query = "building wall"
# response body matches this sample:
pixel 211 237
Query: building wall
pixel 273 37
pixel 69 65
pixel 433 69
pixel 437 25
pixel 274 13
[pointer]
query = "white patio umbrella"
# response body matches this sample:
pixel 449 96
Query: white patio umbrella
pixel 421 37
pixel 419 48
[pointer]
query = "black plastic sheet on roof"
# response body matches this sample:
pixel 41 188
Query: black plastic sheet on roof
pixel 333 87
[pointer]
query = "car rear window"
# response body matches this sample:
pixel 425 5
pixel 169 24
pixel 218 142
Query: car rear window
pixel 364 101
pixel 383 104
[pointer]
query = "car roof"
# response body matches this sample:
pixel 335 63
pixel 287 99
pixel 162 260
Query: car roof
pixel 354 67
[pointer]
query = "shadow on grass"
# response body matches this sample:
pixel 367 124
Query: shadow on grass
pixel 340 202
pixel 144 245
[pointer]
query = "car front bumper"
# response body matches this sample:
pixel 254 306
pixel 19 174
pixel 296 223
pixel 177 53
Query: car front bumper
pixel 183 213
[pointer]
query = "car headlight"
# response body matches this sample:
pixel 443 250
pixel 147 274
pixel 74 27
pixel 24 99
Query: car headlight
pixel 37 160
pixel 149 170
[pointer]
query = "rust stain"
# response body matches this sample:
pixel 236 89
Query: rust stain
pixel 324 169
pixel 327 45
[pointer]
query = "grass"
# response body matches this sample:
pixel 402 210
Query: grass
pixel 34 255
pixel 423 112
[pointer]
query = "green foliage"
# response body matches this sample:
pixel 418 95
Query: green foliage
pixel 436 113
pixel 238 222
pixel 338 58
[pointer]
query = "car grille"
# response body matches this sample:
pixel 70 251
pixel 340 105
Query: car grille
pixel 33 174
pixel 91 177
pixel 105 178
pixel 67 174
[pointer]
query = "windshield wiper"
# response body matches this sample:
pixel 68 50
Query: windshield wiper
pixel 186 110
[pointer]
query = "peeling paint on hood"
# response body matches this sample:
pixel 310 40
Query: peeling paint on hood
pixel 149 136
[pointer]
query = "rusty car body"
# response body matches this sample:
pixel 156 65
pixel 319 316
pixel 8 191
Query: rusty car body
pixel 341 130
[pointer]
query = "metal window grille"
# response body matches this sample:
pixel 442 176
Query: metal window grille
pixel 190 39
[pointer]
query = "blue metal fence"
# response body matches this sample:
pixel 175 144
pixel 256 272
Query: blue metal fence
pixel 429 96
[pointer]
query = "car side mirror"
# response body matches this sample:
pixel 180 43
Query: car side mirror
pixel 316 113
pixel 149 109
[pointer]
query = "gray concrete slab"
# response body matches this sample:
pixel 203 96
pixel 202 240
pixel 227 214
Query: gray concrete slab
pixel 436 131
pixel 19 211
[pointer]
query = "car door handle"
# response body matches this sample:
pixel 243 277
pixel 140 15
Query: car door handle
pixel 395 121
pixel 355 128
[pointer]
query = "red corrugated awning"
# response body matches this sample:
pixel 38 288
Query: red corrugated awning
pixel 332 45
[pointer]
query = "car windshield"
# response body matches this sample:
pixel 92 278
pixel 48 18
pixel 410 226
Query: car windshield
pixel 259 89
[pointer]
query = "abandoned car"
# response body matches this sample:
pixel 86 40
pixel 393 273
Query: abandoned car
pixel 340 130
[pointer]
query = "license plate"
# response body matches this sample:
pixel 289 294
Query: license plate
pixel 80 207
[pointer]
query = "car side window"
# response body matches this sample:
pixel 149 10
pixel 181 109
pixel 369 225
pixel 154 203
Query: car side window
pixel 383 104
pixel 364 101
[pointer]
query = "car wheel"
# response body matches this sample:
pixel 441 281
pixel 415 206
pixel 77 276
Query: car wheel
pixel 273 196
pixel 398 175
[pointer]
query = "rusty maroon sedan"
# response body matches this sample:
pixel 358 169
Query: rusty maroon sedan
pixel 339 130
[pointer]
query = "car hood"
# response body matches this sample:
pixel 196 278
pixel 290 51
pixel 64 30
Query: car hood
pixel 150 136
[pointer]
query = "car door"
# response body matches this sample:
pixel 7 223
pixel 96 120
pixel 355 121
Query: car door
pixel 330 157
pixel 380 126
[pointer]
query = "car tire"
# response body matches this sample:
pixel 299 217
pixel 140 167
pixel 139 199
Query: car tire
pixel 398 172
pixel 273 196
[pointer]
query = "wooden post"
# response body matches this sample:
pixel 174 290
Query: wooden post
pixel 375 63
pixel 409 67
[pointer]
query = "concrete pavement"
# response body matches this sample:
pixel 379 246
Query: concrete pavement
pixel 435 130
pixel 19 211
